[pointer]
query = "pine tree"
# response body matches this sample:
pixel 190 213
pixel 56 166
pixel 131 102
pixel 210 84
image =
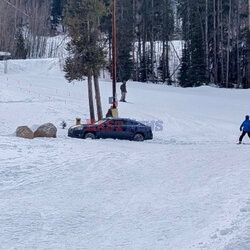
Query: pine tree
pixel 125 37
pixel 57 12
pixel 165 24
pixel 20 51
pixel 193 68
pixel 216 36
pixel 82 17
pixel 184 77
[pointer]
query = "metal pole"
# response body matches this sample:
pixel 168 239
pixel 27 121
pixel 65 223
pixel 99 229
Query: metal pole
pixel 114 61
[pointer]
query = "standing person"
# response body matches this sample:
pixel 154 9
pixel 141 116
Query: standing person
pixel 245 128
pixel 123 91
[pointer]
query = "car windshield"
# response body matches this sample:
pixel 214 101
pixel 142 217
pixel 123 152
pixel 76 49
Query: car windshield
pixel 100 122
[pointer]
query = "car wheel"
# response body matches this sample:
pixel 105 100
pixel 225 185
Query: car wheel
pixel 138 137
pixel 89 136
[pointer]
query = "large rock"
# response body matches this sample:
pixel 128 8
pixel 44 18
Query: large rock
pixel 24 132
pixel 47 130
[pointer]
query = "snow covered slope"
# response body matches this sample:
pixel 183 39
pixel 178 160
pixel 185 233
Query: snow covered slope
pixel 187 189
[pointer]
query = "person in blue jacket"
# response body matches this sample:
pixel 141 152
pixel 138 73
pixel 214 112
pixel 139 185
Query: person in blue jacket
pixel 245 128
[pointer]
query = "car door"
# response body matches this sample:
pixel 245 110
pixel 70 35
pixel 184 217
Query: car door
pixel 115 129
pixel 132 128
pixel 120 129
pixel 126 129
pixel 106 129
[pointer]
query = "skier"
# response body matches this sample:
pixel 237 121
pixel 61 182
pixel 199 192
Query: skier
pixel 123 91
pixel 245 128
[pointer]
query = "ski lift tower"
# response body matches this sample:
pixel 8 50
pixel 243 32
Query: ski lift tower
pixel 113 111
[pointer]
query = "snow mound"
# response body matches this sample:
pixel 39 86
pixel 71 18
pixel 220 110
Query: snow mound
pixel 31 66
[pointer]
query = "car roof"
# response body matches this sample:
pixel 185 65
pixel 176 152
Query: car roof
pixel 119 119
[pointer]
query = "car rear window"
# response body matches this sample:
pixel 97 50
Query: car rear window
pixel 131 122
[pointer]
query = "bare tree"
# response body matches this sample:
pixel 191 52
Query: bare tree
pixel 206 41
pixel 30 18
pixel 248 48
pixel 228 42
pixel 215 43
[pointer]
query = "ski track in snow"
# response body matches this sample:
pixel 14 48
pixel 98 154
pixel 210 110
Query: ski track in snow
pixel 186 189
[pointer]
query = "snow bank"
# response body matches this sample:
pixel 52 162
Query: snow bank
pixel 31 66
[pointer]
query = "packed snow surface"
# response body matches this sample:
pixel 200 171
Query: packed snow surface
pixel 188 188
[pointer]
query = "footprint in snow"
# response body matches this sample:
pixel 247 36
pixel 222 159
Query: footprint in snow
pixel 226 231
pixel 246 209
pixel 214 236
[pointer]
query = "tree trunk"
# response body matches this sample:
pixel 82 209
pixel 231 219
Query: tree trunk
pixel 91 103
pixel 134 41
pixel 218 43
pixel 228 43
pixel 164 62
pixel 167 64
pixel 152 42
pixel 145 67
pixel 140 62
pixel 215 46
pixel 248 61
pixel 144 58
pixel 237 46
pixel 152 58
pixel 221 44
pixel 248 49
pixel 98 97
pixel 206 42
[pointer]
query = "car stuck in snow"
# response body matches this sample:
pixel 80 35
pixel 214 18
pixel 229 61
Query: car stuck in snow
pixel 118 128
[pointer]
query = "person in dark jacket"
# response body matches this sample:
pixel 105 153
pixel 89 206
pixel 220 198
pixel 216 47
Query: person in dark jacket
pixel 123 91
pixel 245 128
